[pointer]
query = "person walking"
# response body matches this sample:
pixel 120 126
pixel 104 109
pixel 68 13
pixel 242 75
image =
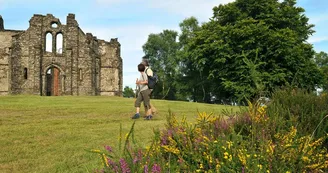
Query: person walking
pixel 149 72
pixel 143 94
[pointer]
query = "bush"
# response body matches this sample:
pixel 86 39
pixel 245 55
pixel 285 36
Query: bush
pixel 301 109
pixel 252 141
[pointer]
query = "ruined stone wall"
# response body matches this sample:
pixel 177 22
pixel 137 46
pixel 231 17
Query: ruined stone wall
pixel 84 65
pixel 88 54
pixel 5 49
pixel 111 68
pixel 56 57
pixel 2 27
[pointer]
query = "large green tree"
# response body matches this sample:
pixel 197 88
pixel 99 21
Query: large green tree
pixel 254 45
pixel 179 78
pixel 161 51
pixel 192 83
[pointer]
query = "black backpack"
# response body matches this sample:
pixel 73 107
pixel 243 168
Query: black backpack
pixel 152 80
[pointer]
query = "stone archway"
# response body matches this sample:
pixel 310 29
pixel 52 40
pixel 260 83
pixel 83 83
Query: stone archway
pixel 52 81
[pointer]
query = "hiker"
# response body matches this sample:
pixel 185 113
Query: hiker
pixel 143 94
pixel 148 72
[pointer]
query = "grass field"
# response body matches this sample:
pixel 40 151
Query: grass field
pixel 52 134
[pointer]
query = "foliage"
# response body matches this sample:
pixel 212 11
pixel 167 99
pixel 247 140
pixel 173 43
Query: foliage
pixel 216 59
pixel 268 33
pixel 161 50
pixel 299 108
pixel 321 59
pixel 191 81
pixel 128 92
pixel 245 142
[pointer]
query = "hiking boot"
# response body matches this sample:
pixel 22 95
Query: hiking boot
pixel 149 117
pixel 136 116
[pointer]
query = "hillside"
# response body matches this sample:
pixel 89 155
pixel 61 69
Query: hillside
pixel 52 134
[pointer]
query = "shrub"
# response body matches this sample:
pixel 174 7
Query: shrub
pixel 249 142
pixel 301 109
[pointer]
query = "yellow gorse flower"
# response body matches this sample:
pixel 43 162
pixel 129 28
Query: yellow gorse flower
pixel 96 151
pixel 170 149
pixel 105 160
pixel 241 157
pixel 306 159
pixel 205 118
pixel 257 112
pixel 229 143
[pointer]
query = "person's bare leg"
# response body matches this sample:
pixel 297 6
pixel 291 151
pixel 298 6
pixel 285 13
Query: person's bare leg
pixel 153 109
pixel 149 112
pixel 146 111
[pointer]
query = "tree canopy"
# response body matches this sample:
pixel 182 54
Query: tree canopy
pixel 128 92
pixel 248 47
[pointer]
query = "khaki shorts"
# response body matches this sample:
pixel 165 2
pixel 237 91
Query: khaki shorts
pixel 145 97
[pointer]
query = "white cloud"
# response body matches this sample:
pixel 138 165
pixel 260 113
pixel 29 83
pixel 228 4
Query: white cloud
pixel 317 39
pixel 201 9
pixel 318 19
pixel 132 37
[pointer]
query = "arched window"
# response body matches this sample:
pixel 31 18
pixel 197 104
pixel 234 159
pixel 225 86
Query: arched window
pixel 49 71
pixel 25 73
pixel 48 42
pixel 59 43
pixel 54 25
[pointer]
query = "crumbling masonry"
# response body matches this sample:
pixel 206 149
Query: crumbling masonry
pixel 54 59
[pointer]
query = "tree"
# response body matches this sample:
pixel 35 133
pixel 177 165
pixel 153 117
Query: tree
pixel 321 59
pixel 128 92
pixel 180 80
pixel 161 50
pixel 192 82
pixel 263 37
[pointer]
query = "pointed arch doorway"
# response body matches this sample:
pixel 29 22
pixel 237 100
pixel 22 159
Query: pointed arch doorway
pixel 52 81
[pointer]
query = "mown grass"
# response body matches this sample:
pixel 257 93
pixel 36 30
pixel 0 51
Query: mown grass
pixel 53 134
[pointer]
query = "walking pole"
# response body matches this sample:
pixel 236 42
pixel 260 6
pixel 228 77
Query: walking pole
pixel 135 94
pixel 136 91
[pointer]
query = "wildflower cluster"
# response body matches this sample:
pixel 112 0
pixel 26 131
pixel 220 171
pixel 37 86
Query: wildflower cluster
pixel 248 142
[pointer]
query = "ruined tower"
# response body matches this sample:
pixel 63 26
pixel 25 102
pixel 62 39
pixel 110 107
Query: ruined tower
pixel 2 27
pixel 51 58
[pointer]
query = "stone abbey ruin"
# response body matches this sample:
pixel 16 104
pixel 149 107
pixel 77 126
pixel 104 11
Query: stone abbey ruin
pixel 50 58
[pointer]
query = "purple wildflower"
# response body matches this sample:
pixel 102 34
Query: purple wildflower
pixel 243 169
pixel 140 154
pixel 135 160
pixel 124 166
pixel 108 148
pixel 113 165
pixel 146 169
pixel 224 125
pixel 156 168
pixel 164 140
pixel 137 157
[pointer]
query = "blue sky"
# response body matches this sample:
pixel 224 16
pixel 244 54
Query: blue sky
pixel 131 21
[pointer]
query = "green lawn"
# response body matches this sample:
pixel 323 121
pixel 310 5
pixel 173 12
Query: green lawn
pixel 52 134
